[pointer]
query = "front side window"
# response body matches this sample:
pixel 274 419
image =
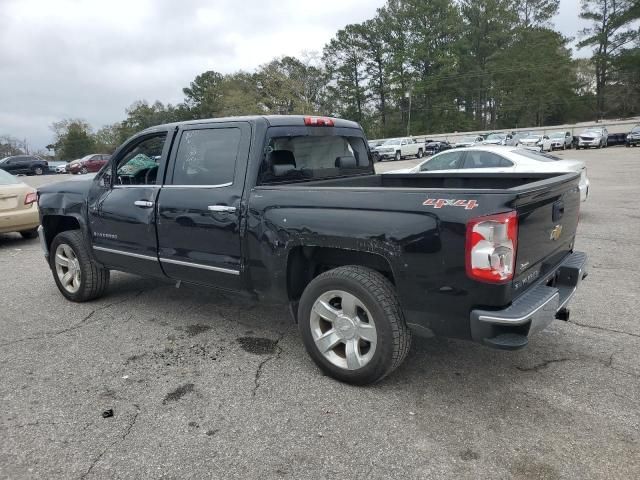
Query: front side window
pixel 444 161
pixel 139 165
pixel 207 156
pixel 314 157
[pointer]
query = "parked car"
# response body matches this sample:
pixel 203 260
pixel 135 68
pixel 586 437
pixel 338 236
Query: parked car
pixel 18 207
pixel 633 137
pixel 499 159
pixel 468 141
pixel 560 140
pixel 436 146
pixel 62 168
pixel 289 209
pixel 24 164
pixel 88 163
pixel 495 139
pixel 593 137
pixel 57 166
pixel 513 138
pixel 535 141
pixel 399 148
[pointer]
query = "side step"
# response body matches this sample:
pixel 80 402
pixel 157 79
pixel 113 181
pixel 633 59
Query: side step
pixel 507 341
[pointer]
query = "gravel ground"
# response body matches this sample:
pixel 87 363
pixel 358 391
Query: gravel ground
pixel 205 385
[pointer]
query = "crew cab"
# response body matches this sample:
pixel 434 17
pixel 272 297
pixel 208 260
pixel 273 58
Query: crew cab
pixel 399 148
pixel 289 210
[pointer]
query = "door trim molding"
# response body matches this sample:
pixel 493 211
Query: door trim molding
pixel 199 265
pixel 129 254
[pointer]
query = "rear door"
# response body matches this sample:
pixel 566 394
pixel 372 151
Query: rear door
pixel 199 205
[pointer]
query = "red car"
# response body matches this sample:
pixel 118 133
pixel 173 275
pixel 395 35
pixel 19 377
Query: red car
pixel 88 163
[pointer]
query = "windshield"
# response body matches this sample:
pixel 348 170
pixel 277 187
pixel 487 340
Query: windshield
pixel 557 135
pixel 593 132
pixel 532 137
pixel 7 178
pixel 496 136
pixel 86 157
pixel 467 139
pixel 4 159
pixel 393 141
pixel 535 155
pixel 636 130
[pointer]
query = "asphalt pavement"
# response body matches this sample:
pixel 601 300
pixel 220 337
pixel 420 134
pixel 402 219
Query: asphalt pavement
pixel 204 385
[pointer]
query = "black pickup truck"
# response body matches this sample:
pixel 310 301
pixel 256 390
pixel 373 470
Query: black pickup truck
pixel 290 210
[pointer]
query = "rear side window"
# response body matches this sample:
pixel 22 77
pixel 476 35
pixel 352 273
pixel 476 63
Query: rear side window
pixel 444 161
pixel 485 160
pixel 207 157
pixel 313 157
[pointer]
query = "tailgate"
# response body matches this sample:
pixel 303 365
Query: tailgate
pixel 547 223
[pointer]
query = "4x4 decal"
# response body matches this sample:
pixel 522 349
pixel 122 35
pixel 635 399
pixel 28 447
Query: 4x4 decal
pixel 450 202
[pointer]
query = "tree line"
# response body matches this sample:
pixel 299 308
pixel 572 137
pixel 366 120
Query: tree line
pixel 422 66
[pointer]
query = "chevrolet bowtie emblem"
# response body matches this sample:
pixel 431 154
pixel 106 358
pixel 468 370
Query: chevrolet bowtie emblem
pixel 556 232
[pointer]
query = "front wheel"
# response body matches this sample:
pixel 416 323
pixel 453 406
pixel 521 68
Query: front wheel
pixel 352 325
pixel 38 171
pixel 397 157
pixel 28 234
pixel 77 276
pixel 84 170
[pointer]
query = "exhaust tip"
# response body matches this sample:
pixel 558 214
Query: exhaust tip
pixel 563 314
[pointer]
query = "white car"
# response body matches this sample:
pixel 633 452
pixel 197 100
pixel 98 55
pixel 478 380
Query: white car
pixel 534 141
pixel 593 137
pixel 492 159
pixel 61 168
pixel 468 141
pixel 399 148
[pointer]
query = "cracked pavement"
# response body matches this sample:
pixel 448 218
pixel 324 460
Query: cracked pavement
pixel 206 385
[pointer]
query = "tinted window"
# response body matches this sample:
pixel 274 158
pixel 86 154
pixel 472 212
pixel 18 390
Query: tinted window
pixel 485 160
pixel 314 157
pixel 207 157
pixel 444 161
pixel 139 165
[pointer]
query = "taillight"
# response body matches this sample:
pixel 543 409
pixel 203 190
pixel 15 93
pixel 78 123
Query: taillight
pixel 30 198
pixel 318 122
pixel 491 247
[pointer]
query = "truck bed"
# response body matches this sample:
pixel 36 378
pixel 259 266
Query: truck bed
pixel 481 182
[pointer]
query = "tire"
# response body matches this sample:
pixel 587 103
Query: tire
pixel 420 153
pixel 376 302
pixel 93 279
pixel 38 171
pixel 29 234
pixel 84 170
pixel 397 157
pixel 564 146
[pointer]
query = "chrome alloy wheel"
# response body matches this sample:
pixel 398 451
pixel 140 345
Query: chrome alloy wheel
pixel 67 268
pixel 343 330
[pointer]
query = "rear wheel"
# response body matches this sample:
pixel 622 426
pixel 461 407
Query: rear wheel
pixel 77 276
pixel 352 325
pixel 420 153
pixel 33 233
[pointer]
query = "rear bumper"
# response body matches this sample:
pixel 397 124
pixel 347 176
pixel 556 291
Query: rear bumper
pixel 19 220
pixel 534 310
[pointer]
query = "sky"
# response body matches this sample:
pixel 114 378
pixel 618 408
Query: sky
pixel 91 59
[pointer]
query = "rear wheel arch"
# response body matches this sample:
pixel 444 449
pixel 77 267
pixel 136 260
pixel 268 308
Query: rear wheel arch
pixel 306 263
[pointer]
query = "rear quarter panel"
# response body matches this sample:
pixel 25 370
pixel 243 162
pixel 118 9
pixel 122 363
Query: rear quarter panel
pixel 424 246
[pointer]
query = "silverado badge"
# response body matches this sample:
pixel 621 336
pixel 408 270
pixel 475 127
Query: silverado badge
pixel 556 232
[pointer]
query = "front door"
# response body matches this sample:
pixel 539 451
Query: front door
pixel 122 205
pixel 199 205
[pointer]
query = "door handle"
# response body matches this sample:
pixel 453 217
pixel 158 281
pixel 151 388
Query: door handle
pixel 143 204
pixel 221 208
